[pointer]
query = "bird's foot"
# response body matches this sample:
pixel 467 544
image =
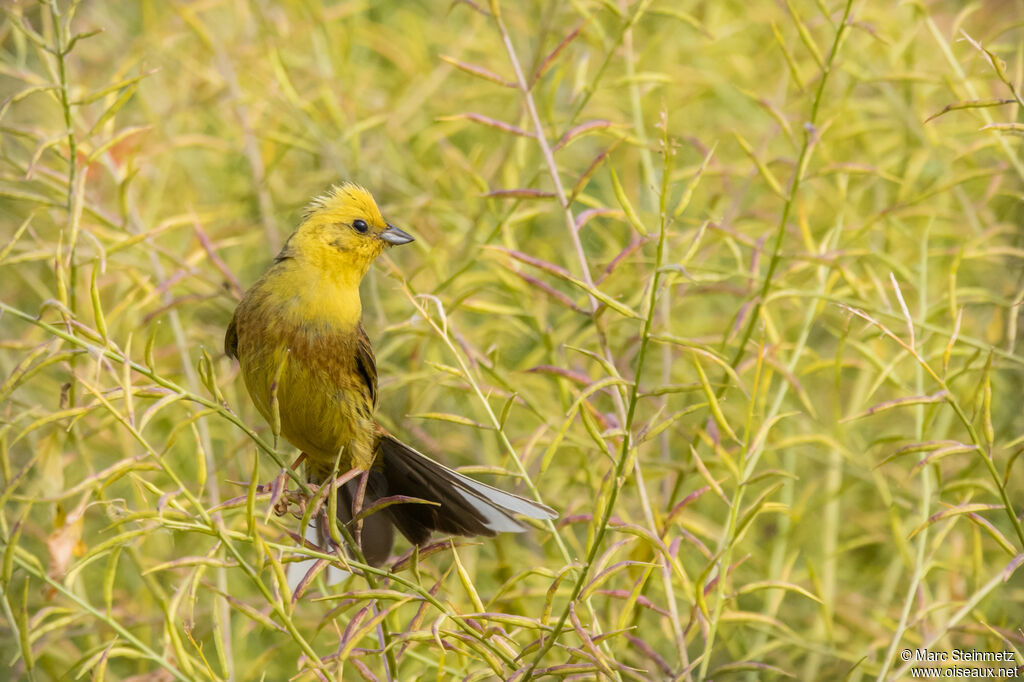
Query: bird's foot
pixel 281 498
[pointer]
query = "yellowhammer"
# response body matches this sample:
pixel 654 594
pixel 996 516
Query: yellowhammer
pixel 299 327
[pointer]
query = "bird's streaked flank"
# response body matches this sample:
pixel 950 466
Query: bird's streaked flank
pixel 298 336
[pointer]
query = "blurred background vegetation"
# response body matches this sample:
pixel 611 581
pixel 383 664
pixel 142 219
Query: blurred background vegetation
pixel 702 275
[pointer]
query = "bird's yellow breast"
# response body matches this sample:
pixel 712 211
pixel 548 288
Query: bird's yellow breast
pixel 297 339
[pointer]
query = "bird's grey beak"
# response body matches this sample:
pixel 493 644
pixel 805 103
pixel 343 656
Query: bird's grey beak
pixel 394 236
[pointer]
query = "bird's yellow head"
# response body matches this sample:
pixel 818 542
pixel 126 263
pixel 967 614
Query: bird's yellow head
pixel 343 231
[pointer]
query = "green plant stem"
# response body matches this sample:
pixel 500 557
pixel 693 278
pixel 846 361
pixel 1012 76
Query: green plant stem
pixel 66 262
pixel 103 618
pixel 625 414
pixel 745 466
pixel 116 356
pixel 443 332
pixel 1012 155
pixel 810 137
pixel 664 311
pixel 218 528
pixel 968 424
pixel 617 481
pixel 925 501
pixel 937 635
pixel 835 461
pixel 541 137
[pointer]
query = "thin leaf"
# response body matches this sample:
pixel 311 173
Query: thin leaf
pixel 579 130
pixel 776 585
pixel 1014 128
pixel 959 510
pixel 453 418
pixel 763 169
pixel 525 193
pixel 549 61
pixel 971 104
pixel 627 207
pixel 938 397
pixel 478 71
pixel 487 121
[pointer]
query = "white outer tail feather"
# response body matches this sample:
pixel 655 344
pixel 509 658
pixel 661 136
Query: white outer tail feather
pixel 494 518
pixel 499 498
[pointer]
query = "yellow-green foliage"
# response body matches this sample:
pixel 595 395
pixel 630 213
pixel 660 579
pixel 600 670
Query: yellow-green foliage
pixel 702 275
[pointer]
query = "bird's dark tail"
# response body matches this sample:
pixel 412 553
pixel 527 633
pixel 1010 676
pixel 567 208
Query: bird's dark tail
pixel 464 506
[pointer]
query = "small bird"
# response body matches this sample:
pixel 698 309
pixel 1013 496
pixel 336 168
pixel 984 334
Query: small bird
pixel 298 336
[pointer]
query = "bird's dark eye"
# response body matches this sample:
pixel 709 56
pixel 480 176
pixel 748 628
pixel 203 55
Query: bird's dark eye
pixel 360 225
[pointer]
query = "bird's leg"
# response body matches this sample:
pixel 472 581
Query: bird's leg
pixel 357 506
pixel 279 497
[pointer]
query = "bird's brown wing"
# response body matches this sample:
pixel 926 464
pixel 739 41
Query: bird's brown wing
pixel 366 365
pixel 231 340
